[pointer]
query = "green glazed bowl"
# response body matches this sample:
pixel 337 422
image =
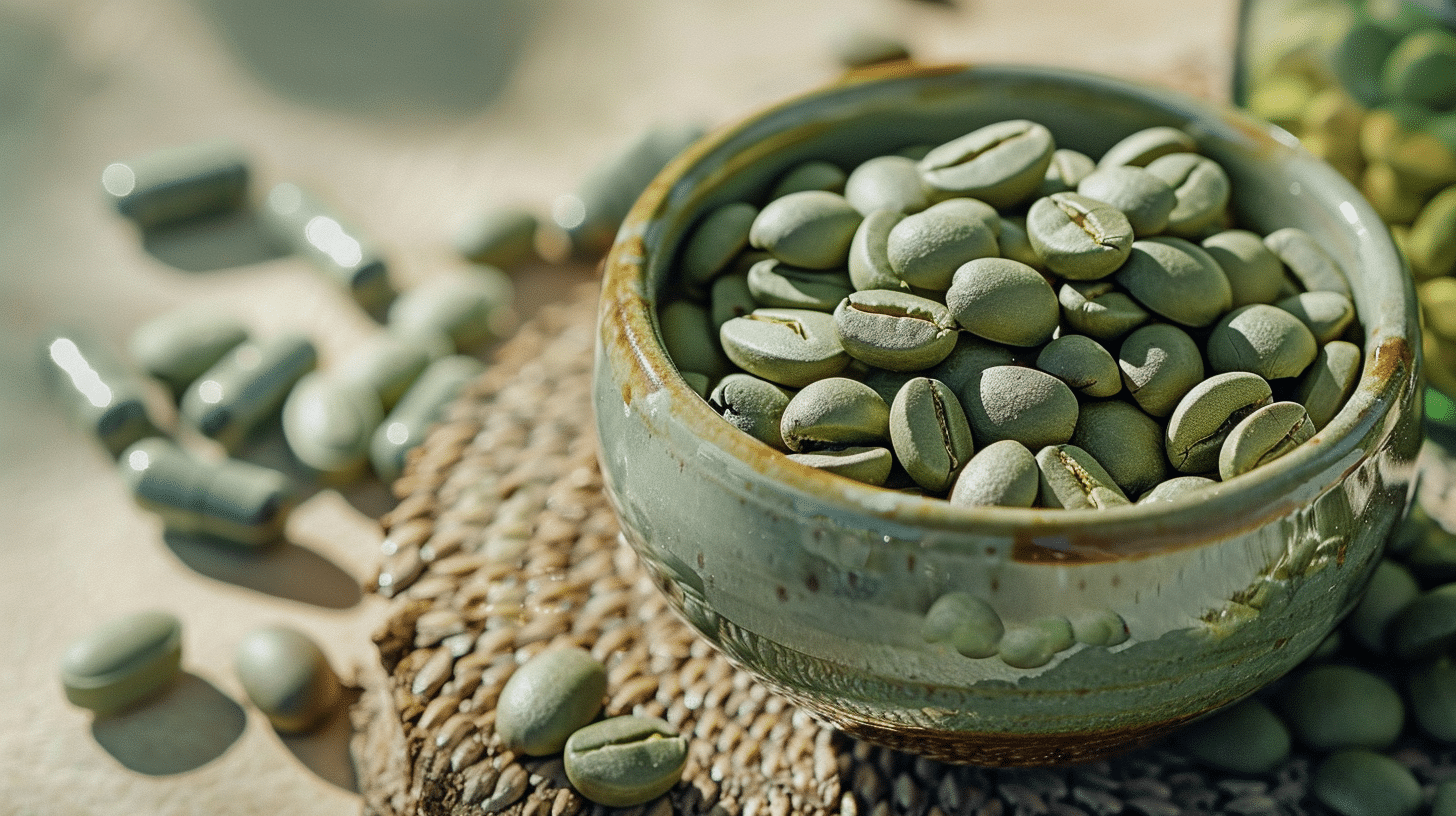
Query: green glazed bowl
pixel 818 584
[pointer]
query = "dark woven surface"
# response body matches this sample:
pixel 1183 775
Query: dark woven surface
pixel 503 545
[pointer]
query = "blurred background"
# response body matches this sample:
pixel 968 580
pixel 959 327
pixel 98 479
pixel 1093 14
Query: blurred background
pixel 409 115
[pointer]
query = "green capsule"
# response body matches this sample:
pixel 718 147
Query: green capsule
pixel 106 398
pixel 418 410
pixel 179 183
pixel 592 214
pixel 123 662
pixel 388 364
pixel 247 387
pixel 471 307
pixel 502 237
pixel 178 346
pixel 229 499
pixel 303 224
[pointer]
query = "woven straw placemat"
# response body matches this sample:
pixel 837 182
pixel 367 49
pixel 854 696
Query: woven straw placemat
pixel 503 545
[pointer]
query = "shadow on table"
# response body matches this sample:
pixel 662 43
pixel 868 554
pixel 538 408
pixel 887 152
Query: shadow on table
pixel 209 244
pixel 325 750
pixel 284 570
pixel 190 725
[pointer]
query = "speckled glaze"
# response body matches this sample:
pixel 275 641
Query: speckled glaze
pixel 819 584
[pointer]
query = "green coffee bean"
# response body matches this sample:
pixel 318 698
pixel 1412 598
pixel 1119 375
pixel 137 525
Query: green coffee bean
pixel 969 624
pixel 886 183
pixel 1000 164
pixel 688 337
pixel 1099 627
pixel 886 383
pixel 715 241
pixel 1281 99
pixel 1159 364
pixel 1077 237
pixel 103 395
pixel 894 330
pixel 1431 246
pixel 301 223
pixel 1330 707
pixel 288 677
pixel 1325 314
pixel 547 698
pixel 625 761
pixel 729 298
pixel 1003 301
pixel 1014 244
pixel 1244 738
pixel 792 347
pixel 811 175
pixel 1262 339
pixel 418 410
pixel 1176 489
pixel 1072 479
pixel 1098 310
pixel 1315 269
pixel 1207 413
pixel 178 183
pixel 834 412
pixel 123 661
pixel 1432 691
pixel 1082 363
pixel 230 500
pixel 329 424
pixel 1263 436
pixel 178 346
pixel 472 307
pixel 1201 189
pixel 810 229
pixel 870 465
pixel 1124 441
pixel 608 191
pixel 1029 406
pixel 1177 280
pixel 1034 644
pixel 1001 474
pixel 869 260
pixel 926 248
pixel 1359 58
pixel 1357 782
pixel 503 237
pixel 776 284
pixel 929 433
pixel 247 387
pixel 1426 627
pixel 1145 199
pixel 1391 588
pixel 1329 381
pixel 1422 69
pixel 962 368
pixel 1065 171
pixel 387 365
pixel 1143 147
pixel 1394 200
pixel 1255 274
pixel 753 406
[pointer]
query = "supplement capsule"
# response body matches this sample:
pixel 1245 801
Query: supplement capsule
pixel 231 499
pixel 388 364
pixel 303 224
pixel 288 677
pixel 178 183
pixel 592 215
pixel 246 387
pixel 328 424
pixel 471 307
pixel 123 661
pixel 176 347
pixel 421 407
pixel 105 396
pixel 503 237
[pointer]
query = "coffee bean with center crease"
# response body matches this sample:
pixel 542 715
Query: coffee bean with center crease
pixel 625 761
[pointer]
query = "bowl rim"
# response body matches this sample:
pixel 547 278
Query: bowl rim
pixel 628 336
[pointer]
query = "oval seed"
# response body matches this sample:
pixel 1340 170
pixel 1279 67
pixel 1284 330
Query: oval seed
pixel 1125 441
pixel 288 677
pixel 1176 279
pixel 1255 274
pixel 105 397
pixel 1207 413
pixel 123 661
pixel 1141 148
pixel 1422 69
pixel 1159 365
pixel 1072 479
pixel 811 175
pixel 471 307
pixel 926 248
pixel 547 698
pixel 1000 164
pixel 1099 627
pixel 301 223
pixel 1307 261
pixel 1391 589
pixel 1033 645
pixel 869 260
pixel 689 339
pixel 1145 199
pixel 1077 237
pixel 810 229
pixel 1431 245
pixel 1082 363
pixel 886 183
pixel 503 237
pixel 1177 488
pixel 329 423
pixel 1003 301
pixel 178 346
pixel 179 183
pixel 1002 474
pixel 1029 406
pixel 1325 314
pixel 1432 688
pixel 1013 242
pixel 1200 189
pixel 930 434
pixel 246 387
pixel 1065 171
pixel 231 500
pixel 792 347
pixel 716 240
pixel 1244 738
pixel 962 368
pixel 418 410
pixel 1098 310
pixel 1358 782
pixel 894 330
pixel 870 465
pixel 625 761
pixel 1426 627
pixel 752 405
pixel 969 624
pixel 1329 381
pixel 1263 436
pixel 729 298
pixel 776 284
pixel 1262 339
pixel 1330 707
pixel 834 412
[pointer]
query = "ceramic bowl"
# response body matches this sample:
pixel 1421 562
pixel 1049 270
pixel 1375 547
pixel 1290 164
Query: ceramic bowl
pixel 818 584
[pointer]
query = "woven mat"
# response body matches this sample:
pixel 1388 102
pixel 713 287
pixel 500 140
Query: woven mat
pixel 503 545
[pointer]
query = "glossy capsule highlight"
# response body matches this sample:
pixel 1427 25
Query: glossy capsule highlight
pixel 420 408
pixel 247 387
pixel 301 223
pixel 178 183
pixel 105 396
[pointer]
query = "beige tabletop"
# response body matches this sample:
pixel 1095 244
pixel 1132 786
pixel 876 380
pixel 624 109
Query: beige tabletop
pixel 408 114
